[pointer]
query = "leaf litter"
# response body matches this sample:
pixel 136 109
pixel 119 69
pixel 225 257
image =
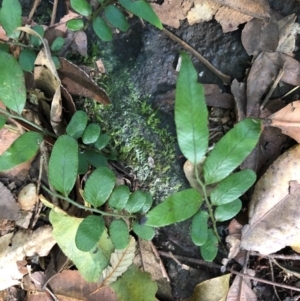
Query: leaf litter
pixel 260 234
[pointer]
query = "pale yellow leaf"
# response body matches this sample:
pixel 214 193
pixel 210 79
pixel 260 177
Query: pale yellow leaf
pixel 120 261
pixel 214 289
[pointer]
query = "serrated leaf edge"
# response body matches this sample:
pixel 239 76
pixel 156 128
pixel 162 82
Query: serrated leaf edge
pixel 120 261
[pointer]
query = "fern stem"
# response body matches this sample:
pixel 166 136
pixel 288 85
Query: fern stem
pixel 85 207
pixel 19 117
pixel 208 204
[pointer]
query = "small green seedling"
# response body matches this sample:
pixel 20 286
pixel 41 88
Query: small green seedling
pixel 218 165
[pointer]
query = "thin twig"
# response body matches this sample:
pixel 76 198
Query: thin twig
pixel 45 288
pixel 273 278
pixel 157 254
pixel 214 265
pixel 193 260
pixel 265 281
pixel 35 5
pixel 291 91
pixel 54 10
pixel 275 83
pixel 141 253
pixel 224 78
pixel 277 256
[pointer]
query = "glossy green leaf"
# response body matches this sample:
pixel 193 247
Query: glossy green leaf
pixel 95 158
pixel 82 7
pixel 22 150
pixel 83 163
pixel 176 208
pixel 119 197
pixel 63 164
pixel 57 44
pixel 210 249
pixel 191 115
pixel 56 61
pixel 77 124
pixel 232 187
pixel 4 47
pixel 143 231
pixel 136 201
pixel 12 83
pixel 102 141
pixel 135 285
pixel 142 9
pixel 119 234
pixel 90 264
pixel 2 121
pixel 199 228
pixel 115 17
pixel 35 41
pixel 89 232
pixel 75 25
pixel 99 186
pixel 11 17
pixel 91 133
pixel 231 150
pixel 26 59
pixel 148 203
pixel 228 211
pixel 102 30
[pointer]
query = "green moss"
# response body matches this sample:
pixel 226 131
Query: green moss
pixel 137 137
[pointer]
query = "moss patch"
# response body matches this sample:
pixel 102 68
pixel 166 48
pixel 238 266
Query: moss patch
pixel 137 136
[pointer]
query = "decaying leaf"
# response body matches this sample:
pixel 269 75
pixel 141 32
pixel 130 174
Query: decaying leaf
pixel 274 208
pixel 228 13
pixel 288 120
pixel 27 197
pixel 68 286
pixel 288 30
pixel 203 10
pixel 260 35
pixel 120 260
pixel 172 11
pixel 230 19
pixel 266 68
pixel 214 289
pixel 14 248
pixel 240 290
pixel 9 208
pixel 77 82
pixel 47 80
pixel 258 9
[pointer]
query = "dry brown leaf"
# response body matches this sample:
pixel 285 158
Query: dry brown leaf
pixel 172 11
pixel 240 290
pixel 230 19
pixel 203 10
pixel 259 35
pixel 288 120
pixel 214 289
pixel 255 8
pixel 274 208
pixel 9 208
pixel 239 92
pixel 67 285
pixel 77 82
pixel 15 247
pixel 47 72
pixel 288 31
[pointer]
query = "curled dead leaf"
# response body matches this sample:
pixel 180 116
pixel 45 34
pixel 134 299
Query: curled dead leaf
pixel 274 208
pixel 288 120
